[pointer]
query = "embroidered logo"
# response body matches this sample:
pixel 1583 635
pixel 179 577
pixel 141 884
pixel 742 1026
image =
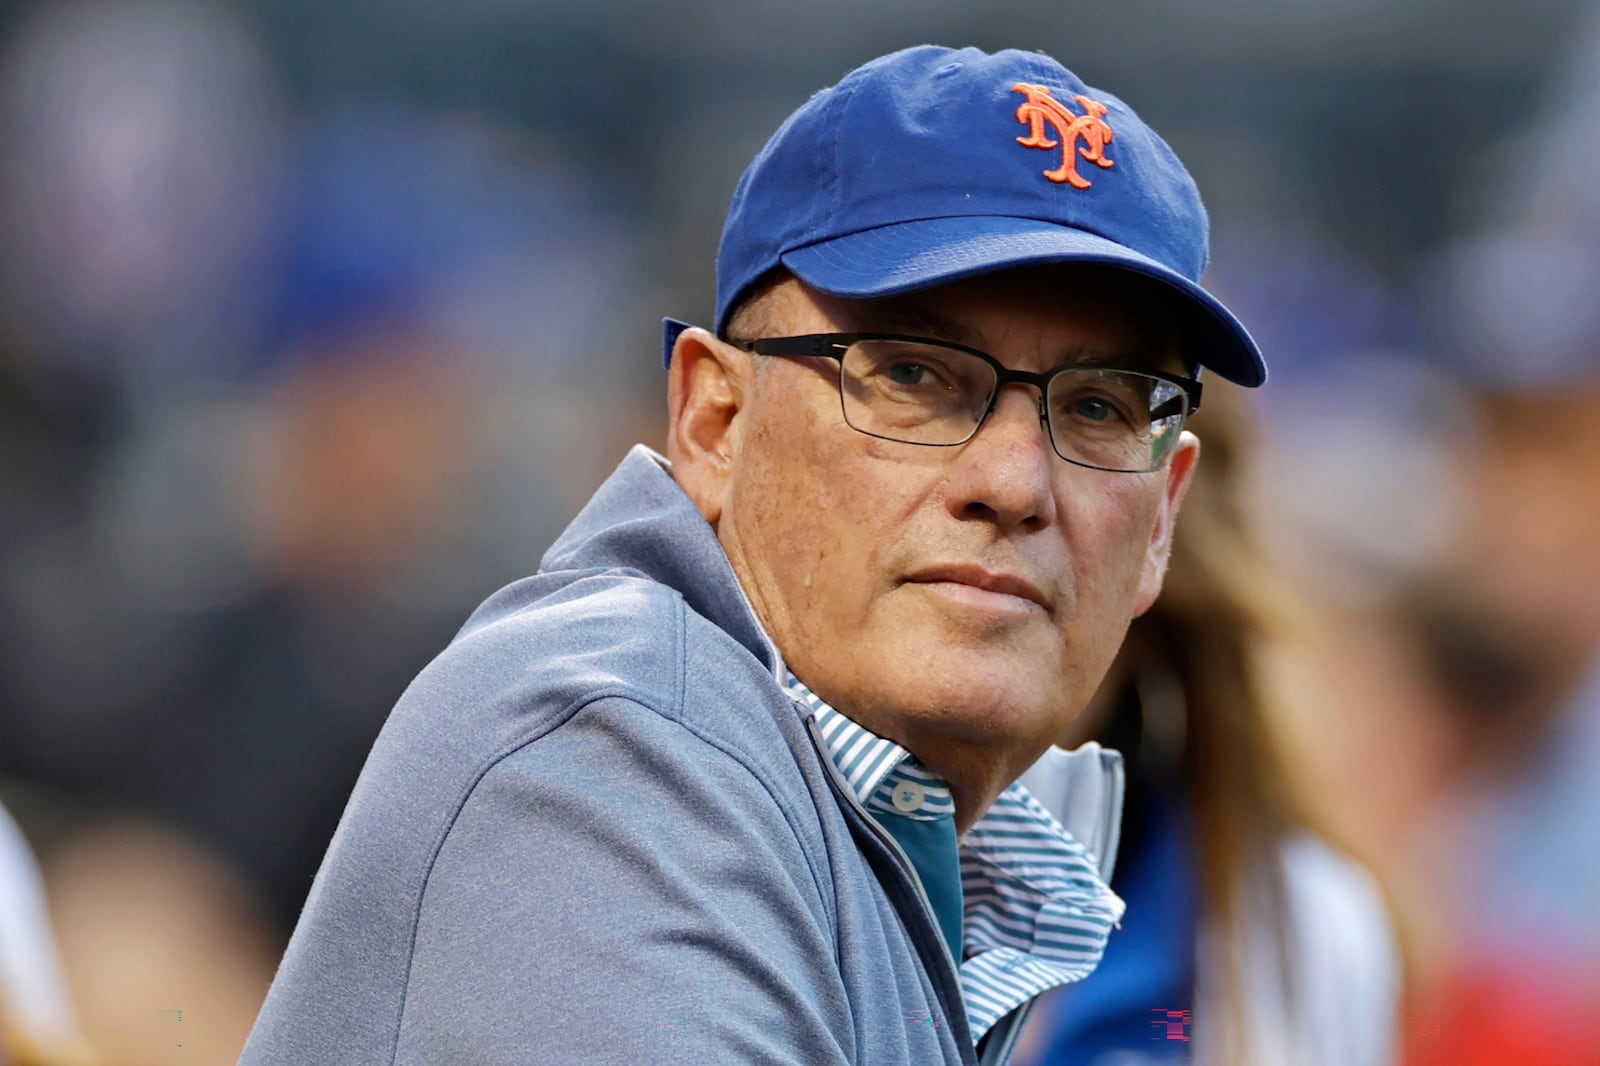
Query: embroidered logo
pixel 1041 109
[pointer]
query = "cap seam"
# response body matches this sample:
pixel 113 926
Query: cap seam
pixel 835 195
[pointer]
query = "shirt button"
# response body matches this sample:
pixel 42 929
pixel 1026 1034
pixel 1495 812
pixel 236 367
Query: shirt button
pixel 908 796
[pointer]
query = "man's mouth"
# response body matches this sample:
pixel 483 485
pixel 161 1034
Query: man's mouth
pixel 984 585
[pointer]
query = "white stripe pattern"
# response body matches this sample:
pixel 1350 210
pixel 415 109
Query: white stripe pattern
pixel 1037 913
pixel 936 802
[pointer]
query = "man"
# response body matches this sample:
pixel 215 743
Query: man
pixel 693 791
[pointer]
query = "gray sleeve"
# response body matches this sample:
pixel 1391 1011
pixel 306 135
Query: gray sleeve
pixel 624 891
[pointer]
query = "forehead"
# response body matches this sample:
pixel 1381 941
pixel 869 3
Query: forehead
pixel 1060 313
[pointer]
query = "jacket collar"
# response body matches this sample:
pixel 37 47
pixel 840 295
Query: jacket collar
pixel 639 519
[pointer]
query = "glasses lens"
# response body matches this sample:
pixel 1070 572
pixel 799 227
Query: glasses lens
pixel 918 393
pixel 1115 419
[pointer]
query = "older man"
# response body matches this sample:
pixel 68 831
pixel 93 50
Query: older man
pixel 729 779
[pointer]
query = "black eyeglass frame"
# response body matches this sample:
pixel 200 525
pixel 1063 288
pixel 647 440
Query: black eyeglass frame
pixel 834 346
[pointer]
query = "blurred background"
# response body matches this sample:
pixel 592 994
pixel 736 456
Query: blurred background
pixel 319 320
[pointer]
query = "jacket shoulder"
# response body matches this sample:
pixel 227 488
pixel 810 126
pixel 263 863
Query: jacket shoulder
pixel 577 632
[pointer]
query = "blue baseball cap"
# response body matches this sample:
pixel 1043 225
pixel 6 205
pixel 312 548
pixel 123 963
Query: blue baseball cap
pixel 929 165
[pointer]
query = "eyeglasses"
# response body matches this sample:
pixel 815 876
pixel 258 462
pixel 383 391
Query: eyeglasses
pixel 921 391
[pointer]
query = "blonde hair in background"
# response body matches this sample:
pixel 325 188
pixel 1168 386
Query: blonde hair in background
pixel 1197 661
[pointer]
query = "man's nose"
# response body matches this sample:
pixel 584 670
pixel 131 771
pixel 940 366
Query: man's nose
pixel 1005 473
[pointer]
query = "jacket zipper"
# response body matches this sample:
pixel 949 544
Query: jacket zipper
pixel 1000 1042
pixel 842 788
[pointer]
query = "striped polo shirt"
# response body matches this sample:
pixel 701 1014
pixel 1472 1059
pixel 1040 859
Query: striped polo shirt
pixel 1036 913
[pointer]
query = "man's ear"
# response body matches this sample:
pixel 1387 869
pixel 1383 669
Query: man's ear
pixel 707 386
pixel 1180 473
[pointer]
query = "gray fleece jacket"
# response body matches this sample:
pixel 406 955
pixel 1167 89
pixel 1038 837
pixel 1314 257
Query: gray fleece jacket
pixel 595 829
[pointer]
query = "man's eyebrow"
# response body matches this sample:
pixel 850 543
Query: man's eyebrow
pixel 915 321
pixel 1152 350
pixel 1145 357
pixel 1083 355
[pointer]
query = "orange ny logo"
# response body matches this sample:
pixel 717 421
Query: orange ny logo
pixel 1040 108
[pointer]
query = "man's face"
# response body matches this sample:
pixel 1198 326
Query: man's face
pixel 964 601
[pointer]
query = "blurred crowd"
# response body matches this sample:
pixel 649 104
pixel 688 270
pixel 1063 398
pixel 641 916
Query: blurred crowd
pixel 317 323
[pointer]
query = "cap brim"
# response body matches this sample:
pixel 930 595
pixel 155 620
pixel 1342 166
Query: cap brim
pixel 907 256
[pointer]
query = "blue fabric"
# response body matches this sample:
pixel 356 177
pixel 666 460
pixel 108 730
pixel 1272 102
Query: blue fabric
pixel 1036 912
pixel 1147 974
pixel 930 165
pixel 931 846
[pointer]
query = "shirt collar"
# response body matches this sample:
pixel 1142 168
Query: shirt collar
pixel 862 758
pixel 1037 912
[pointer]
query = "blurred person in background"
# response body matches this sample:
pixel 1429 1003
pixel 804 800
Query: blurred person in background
pixel 1448 722
pixel 1248 941
pixel 137 145
pixel 281 397
pixel 1506 882
pixel 1512 617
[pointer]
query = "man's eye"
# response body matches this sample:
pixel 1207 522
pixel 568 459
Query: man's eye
pixel 908 374
pixel 1100 408
pixel 1093 408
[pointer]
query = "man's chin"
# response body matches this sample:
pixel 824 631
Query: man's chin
pixel 995 706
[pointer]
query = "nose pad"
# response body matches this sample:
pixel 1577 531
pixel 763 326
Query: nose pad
pixel 1044 414
pixel 1040 408
pixel 1044 425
